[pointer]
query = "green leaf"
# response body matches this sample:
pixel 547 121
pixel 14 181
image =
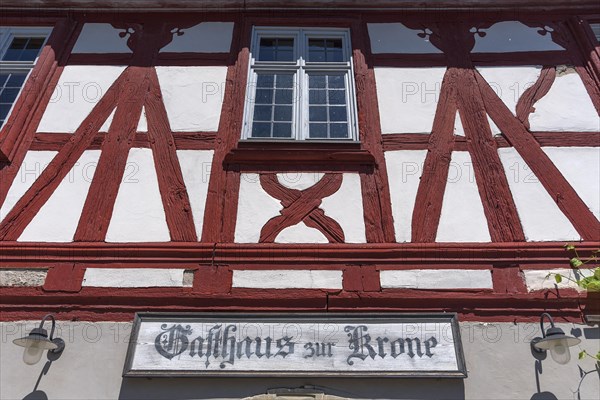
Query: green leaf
pixel 569 247
pixel 593 286
pixel 576 262
pixel 558 278
pixel 597 273
pixel 581 354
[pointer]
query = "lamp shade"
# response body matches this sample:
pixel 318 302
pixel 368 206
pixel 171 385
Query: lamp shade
pixel 35 343
pixel 558 344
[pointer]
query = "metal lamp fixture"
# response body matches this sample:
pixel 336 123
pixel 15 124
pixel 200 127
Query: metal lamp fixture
pixel 555 341
pixel 37 341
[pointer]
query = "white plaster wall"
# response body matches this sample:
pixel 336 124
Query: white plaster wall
pixel 133 277
pixel 459 130
pixel 193 96
pixel 436 279
pixel 541 218
pixel 57 220
pixel 405 168
pixel 462 218
pixel 397 38
pixel 581 167
pixel 30 170
pixel 101 38
pixel 299 180
pixel 141 127
pixel 79 89
pixel 92 364
pixel 513 36
pixel 255 208
pixel 408 98
pixel 509 83
pixel 539 279
pixel 196 167
pixel 566 107
pixel 138 215
pixel 346 207
pixel 300 233
pixel 206 37
pixel 287 279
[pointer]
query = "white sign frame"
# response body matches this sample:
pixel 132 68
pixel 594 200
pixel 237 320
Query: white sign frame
pixel 401 345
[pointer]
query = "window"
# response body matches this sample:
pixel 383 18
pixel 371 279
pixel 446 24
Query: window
pixel 596 30
pixel 19 50
pixel 300 86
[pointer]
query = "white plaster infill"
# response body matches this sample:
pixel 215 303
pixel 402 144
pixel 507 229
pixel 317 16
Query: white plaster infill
pixel 436 279
pixel 540 279
pixel 133 277
pixel 287 279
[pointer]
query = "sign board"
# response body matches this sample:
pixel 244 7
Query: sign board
pixel 394 345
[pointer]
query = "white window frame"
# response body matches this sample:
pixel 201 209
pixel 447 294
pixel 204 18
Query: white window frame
pixel 301 69
pixel 7 34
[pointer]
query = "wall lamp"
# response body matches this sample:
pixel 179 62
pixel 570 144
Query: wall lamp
pixel 555 341
pixel 37 341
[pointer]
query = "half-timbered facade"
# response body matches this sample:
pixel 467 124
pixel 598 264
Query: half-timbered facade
pixel 383 156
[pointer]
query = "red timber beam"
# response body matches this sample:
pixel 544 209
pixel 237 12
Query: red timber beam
pixel 224 185
pixel 178 211
pixel 430 194
pixel 459 92
pixel 302 205
pixel 128 94
pixel 32 201
pixel 145 42
pixel 19 130
pixel 377 204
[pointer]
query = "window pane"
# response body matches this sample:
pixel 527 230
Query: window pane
pixel 283 96
pixel 16 80
pixel 334 50
pixel 314 56
pixel 262 113
pixel 264 96
pixel 338 114
pixel 283 113
pixel 316 81
pixel 10 85
pixel 337 97
pixel 261 129
pixel 328 106
pixel 18 43
pixel 23 49
pixel 317 50
pixel 4 109
pixel 317 97
pixel 265 80
pixel 338 131
pixel 325 50
pixel 285 81
pixel 35 43
pixel 274 110
pixel 336 82
pixel 8 95
pixel 282 130
pixel 276 49
pixel 318 131
pixel 317 113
